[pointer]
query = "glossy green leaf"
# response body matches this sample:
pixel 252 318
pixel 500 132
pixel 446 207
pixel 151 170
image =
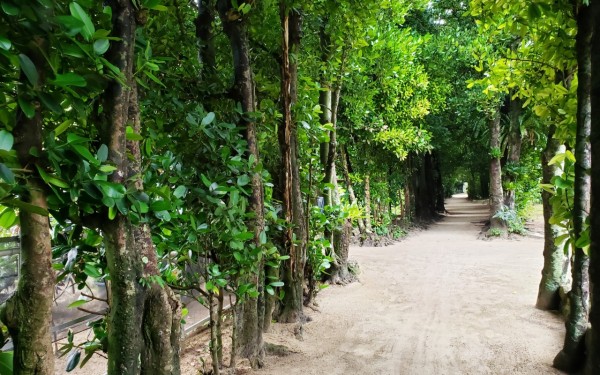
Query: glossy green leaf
pixel 5 44
pixel 6 363
pixel 88 27
pixel 8 218
pixel 6 140
pixel 29 69
pixel 7 174
pixel 27 107
pixel 111 189
pixel 26 206
pixel 101 46
pixel 9 8
pixel 51 179
pixel 69 79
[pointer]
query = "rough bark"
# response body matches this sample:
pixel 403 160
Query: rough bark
pixel 249 341
pixel 514 149
pixel 556 263
pixel 205 34
pixel 293 268
pixel 161 320
pixel 571 357
pixel 27 313
pixel 593 363
pixel 496 196
pixel 139 341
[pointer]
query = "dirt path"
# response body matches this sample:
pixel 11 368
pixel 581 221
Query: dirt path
pixel 440 302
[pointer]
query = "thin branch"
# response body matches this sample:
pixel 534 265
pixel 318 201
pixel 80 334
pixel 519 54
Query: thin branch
pixel 101 313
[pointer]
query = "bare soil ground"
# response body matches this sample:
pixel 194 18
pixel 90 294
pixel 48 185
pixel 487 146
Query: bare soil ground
pixel 440 302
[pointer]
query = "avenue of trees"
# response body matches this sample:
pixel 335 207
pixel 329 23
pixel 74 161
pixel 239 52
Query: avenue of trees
pixel 232 150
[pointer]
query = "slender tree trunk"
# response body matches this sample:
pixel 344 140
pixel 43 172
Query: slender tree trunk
pixel 514 149
pixel 593 364
pixel 344 158
pixel 368 225
pixel 497 203
pixel 249 340
pixel 27 313
pixel 556 263
pixel 571 358
pixel 293 268
pixel 439 183
pixel 204 34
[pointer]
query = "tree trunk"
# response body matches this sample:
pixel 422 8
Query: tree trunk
pixel 440 194
pixel 556 263
pixel 344 158
pixel 497 203
pixel 204 34
pixel 27 313
pixel 368 225
pixel 514 149
pixel 249 340
pixel 571 357
pixel 593 364
pixel 139 340
pixel 161 320
pixel 293 268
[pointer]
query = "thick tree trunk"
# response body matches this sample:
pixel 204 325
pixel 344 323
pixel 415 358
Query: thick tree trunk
pixel 556 263
pixel 249 340
pixel 593 363
pixel 571 357
pixel 161 320
pixel 293 268
pixel 514 149
pixel 27 313
pixel 139 341
pixel 496 199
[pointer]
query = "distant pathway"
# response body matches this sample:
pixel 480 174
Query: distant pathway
pixel 440 302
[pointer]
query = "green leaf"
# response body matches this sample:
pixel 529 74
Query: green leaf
pixel 262 237
pixel 27 108
pixel 62 127
pixel 161 205
pixel 69 79
pixel 73 360
pixel 102 153
pixel 83 151
pixel 7 174
pixel 208 118
pixel 26 206
pixel 78 303
pixel 91 270
pixel 111 189
pixel 52 179
pixel 180 191
pixel 10 9
pixel 6 363
pixel 88 27
pixel 101 46
pixel 5 44
pixel 51 102
pixel 277 283
pixel 8 218
pixel 205 180
pixel 243 180
pixel 6 140
pixel 28 67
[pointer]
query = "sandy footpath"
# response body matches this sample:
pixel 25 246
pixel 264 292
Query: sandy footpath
pixel 440 302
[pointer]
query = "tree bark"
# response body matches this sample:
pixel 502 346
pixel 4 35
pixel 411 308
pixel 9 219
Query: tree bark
pixel 593 363
pixel 293 268
pixel 139 341
pixel 556 263
pixel 514 149
pixel 571 357
pixel 204 34
pixel 368 225
pixel 27 313
pixel 497 203
pixel 249 340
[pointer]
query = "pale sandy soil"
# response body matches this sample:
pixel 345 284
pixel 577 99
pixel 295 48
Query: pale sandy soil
pixel 440 302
